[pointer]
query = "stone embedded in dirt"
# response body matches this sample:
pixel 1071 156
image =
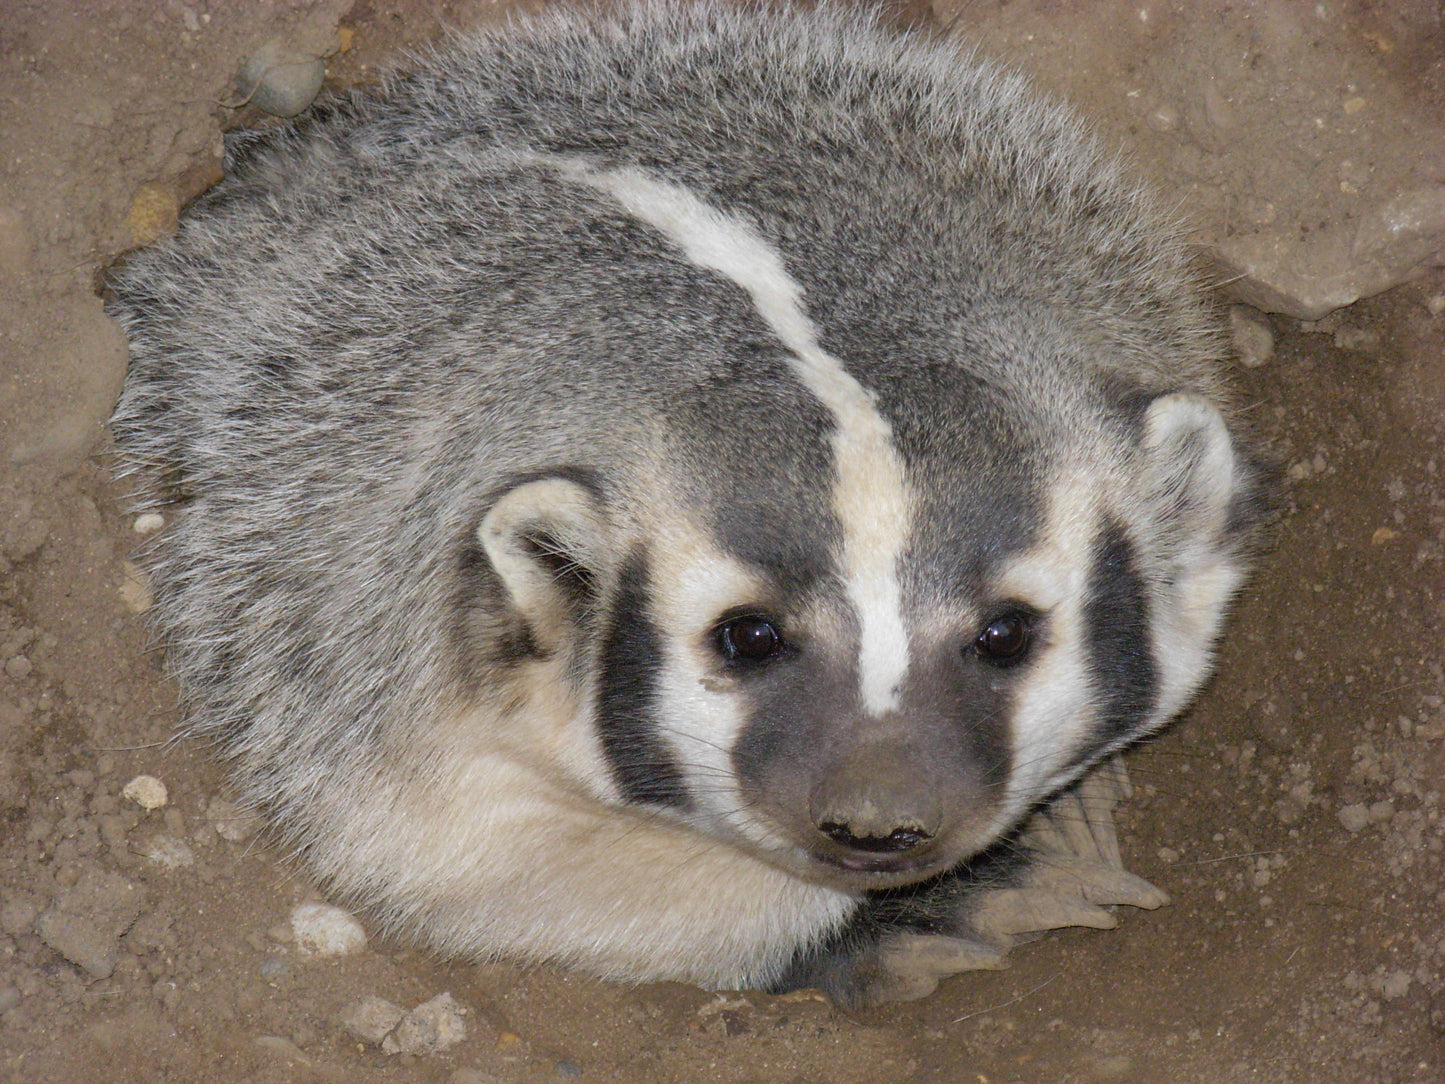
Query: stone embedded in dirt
pixel 135 588
pixel 154 212
pixel 168 852
pixel 88 918
pixel 280 79
pixel 1396 985
pixel 146 791
pixel 230 822
pixel 1253 337
pixel 323 930
pixel 430 1028
pixel 371 1019
pixel 1354 817
pixel 18 913
pixel 1360 340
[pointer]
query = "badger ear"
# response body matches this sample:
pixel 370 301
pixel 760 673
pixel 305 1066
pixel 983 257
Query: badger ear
pixel 1194 472
pixel 1199 486
pixel 548 541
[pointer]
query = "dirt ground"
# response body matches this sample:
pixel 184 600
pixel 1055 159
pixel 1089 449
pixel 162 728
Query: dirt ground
pixel 1294 814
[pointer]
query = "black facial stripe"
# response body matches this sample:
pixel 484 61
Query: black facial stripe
pixel 1121 658
pixel 627 695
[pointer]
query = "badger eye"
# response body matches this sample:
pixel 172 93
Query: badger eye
pixel 1006 639
pixel 750 639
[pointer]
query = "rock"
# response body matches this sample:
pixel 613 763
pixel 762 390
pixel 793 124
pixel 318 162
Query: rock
pixel 1396 985
pixel 280 79
pixel 146 791
pixel 371 1019
pixel 88 919
pixel 1354 817
pixel 135 588
pixel 1357 339
pixel 430 1028
pixel 154 212
pixel 323 930
pixel 168 852
pixel 230 822
pixel 1252 335
pixel 473 1076
pixel 1278 272
pixel 18 913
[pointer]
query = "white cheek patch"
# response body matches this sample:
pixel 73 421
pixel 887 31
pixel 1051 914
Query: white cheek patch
pixel 1054 712
pixel 698 715
pixel 870 497
pixel 1187 625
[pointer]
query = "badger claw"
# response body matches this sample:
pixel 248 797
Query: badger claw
pixel 1076 870
pixel 912 964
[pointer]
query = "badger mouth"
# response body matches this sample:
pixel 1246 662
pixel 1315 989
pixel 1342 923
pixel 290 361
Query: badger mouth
pixel 866 871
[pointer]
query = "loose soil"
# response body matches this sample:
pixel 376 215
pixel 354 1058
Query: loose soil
pixel 1294 813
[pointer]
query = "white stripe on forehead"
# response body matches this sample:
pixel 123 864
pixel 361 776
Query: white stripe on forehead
pixel 870 497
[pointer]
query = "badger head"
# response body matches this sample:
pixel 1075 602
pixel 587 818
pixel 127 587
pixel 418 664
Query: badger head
pixel 867 680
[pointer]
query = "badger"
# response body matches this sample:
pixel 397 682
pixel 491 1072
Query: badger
pixel 675 492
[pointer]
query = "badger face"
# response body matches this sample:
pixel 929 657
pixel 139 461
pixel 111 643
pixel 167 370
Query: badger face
pixel 871 720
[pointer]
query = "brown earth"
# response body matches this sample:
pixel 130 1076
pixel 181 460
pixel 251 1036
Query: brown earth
pixel 1294 814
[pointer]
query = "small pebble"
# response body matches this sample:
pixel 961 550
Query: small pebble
pixel 323 930
pixel 168 852
pixel 1358 339
pixel 1397 985
pixel 135 588
pixel 1164 119
pixel 146 791
pixel 148 523
pixel 371 1019
pixel 1253 337
pixel 1354 817
pixel 232 824
pixel 281 80
pixel 430 1028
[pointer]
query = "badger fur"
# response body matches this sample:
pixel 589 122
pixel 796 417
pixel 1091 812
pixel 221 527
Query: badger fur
pixel 666 492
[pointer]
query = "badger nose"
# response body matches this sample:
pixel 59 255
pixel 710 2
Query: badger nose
pixel 877 823
pixel 903 838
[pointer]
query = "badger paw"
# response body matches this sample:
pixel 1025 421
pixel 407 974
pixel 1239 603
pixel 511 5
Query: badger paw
pixel 1073 875
pixel 910 965
pixel 1074 871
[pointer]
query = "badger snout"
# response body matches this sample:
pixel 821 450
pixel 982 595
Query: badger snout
pixel 872 815
pixel 893 809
